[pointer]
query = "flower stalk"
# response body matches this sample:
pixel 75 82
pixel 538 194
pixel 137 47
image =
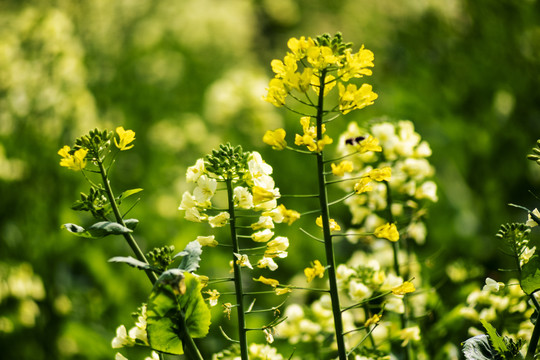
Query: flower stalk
pixel 242 331
pixel 328 245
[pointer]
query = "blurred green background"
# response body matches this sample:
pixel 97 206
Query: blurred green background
pixel 188 75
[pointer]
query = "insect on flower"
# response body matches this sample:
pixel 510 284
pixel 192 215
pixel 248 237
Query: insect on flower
pixel 353 140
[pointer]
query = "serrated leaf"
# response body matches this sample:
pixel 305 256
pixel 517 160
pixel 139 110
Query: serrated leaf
pixel 479 348
pixel 191 256
pixel 176 294
pixel 132 262
pixel 497 341
pixel 530 275
pixel 128 193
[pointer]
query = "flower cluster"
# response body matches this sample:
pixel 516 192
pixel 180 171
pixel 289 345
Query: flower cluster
pixel 382 149
pixel 319 64
pixel 136 335
pixel 313 67
pixel 496 301
pixel 253 192
pixel 364 277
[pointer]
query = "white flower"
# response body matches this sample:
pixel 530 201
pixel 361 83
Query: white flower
pixel 530 222
pixel 262 236
pixel 194 215
pixel 265 222
pixel 188 201
pixel 120 357
pixel 526 255
pixel 154 356
pixel 194 172
pixel 257 166
pixel 207 241
pixel 409 334
pixel 242 197
pixel 243 260
pixel 428 190
pixel 122 339
pixel 358 291
pixel 492 285
pixel 206 188
pixel 267 262
pixel 219 220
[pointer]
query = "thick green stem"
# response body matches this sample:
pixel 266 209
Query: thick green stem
pixel 328 245
pixel 242 331
pixel 535 335
pixel 191 350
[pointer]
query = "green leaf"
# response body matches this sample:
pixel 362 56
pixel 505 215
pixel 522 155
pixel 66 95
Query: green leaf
pixel 76 230
pixel 479 348
pixel 98 230
pixel 530 275
pixel 176 298
pixel 191 256
pixel 128 193
pixel 131 223
pixel 104 228
pixel 497 341
pixel 132 262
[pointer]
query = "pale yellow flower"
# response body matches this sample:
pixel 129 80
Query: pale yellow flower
pixel 316 270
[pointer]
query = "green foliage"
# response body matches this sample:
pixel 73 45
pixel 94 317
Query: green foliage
pixel 175 297
pixel 227 161
pixel 99 229
pixel 191 256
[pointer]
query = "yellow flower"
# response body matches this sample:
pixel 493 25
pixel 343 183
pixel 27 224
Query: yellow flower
pixel 341 168
pixel 219 220
pixel 75 162
pixel 300 46
pixel 363 186
pixel 262 236
pixel 214 296
pixel 267 281
pixel 207 241
pixel 334 226
pixel 289 215
pixel 261 195
pixel 369 144
pixel 276 92
pixel 283 290
pixel 387 231
pixel 316 270
pixel 405 288
pixel 227 310
pixel 329 83
pixel 300 81
pixel 326 140
pixel 372 320
pixel 282 68
pixel 355 65
pixel 321 57
pixel 382 174
pixel 276 139
pixel 352 98
pixel 126 137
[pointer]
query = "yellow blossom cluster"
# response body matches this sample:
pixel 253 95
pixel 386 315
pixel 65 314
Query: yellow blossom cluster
pixel 308 66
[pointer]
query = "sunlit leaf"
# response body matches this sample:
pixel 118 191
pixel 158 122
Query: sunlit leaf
pixel 497 341
pixel 479 348
pixel 128 193
pixel 530 275
pixel 191 256
pixel 176 298
pixel 132 262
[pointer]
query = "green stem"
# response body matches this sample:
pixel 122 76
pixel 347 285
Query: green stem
pixel 397 269
pixel 191 350
pixel 328 246
pixel 535 335
pixel 242 331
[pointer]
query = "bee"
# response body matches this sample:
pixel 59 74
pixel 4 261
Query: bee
pixel 353 140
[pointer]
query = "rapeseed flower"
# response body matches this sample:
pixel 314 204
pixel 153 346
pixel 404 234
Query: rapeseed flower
pixel 343 167
pixel 405 288
pixel 334 226
pixel 214 296
pixel 387 231
pixel 276 139
pixel 125 138
pixel 316 270
pixel 75 162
